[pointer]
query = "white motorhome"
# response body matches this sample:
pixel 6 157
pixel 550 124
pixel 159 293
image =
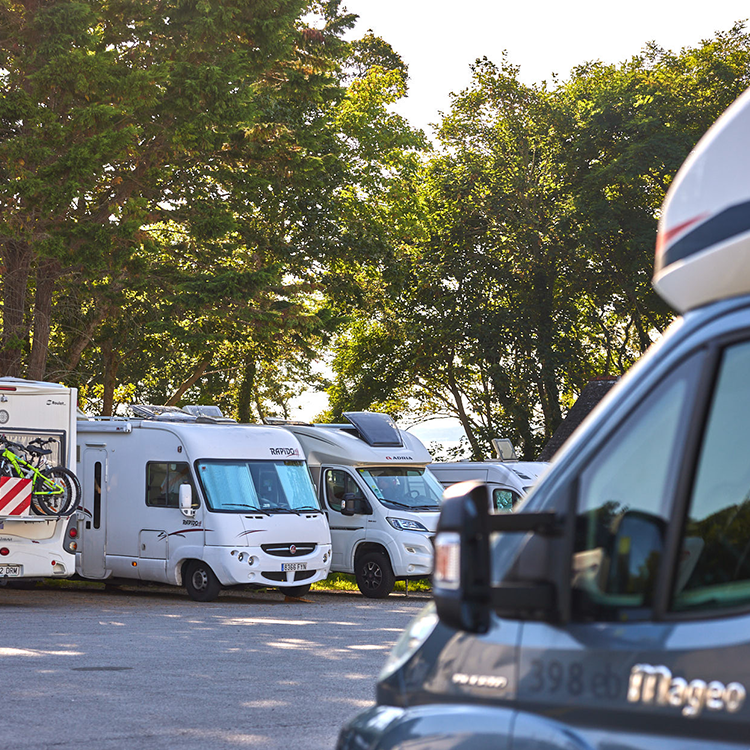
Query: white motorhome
pixel 186 500
pixel 507 481
pixel 34 545
pixel 381 501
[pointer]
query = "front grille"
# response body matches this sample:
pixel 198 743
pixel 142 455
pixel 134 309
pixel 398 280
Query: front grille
pixel 285 550
pixel 299 575
pixel 274 575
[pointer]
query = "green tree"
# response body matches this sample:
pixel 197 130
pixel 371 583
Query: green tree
pixel 530 273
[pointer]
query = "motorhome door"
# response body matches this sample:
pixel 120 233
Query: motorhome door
pixel 346 531
pixel 93 509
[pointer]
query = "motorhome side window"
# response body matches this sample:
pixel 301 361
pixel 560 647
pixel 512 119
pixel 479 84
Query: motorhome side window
pixel 503 500
pixel 714 565
pixel 624 502
pixel 163 482
pixel 339 483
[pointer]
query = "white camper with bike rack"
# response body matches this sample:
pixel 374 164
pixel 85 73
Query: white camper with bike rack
pixel 38 437
pixel 187 499
pixel 381 500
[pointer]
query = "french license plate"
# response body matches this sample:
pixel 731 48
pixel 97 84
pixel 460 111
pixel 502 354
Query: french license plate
pixel 294 566
pixel 10 571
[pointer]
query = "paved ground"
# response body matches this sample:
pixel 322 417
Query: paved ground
pixel 149 668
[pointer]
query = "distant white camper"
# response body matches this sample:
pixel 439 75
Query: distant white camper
pixel 184 499
pixel 381 500
pixel 37 426
pixel 508 482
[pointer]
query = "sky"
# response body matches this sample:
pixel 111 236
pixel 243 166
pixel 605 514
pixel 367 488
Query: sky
pixel 439 41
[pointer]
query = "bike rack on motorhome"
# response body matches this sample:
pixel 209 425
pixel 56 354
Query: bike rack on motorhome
pixel 34 545
pixel 381 500
pixel 187 499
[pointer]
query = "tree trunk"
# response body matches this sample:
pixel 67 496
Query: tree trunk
pixel 476 450
pixel 192 380
pixel 47 273
pixel 245 394
pixel 17 256
pixel 111 365
pixel 78 347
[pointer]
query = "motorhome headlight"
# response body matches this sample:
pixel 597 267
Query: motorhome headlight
pixel 406 524
pixel 416 633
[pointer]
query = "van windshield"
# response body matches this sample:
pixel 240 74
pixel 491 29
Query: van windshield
pixel 410 487
pixel 237 486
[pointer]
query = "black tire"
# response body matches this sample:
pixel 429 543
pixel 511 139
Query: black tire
pixel 58 503
pixel 201 582
pixel 374 575
pixel 295 591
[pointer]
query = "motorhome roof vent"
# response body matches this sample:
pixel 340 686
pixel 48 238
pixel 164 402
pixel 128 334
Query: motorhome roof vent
pixel 161 413
pixel 208 412
pixel 377 430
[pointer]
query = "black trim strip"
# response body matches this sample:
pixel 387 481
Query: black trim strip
pixel 727 223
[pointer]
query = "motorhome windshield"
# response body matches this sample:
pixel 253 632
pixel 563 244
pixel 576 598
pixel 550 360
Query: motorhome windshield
pixel 404 487
pixel 236 486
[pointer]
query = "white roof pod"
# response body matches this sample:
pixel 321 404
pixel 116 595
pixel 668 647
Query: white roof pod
pixel 703 244
pixel 371 439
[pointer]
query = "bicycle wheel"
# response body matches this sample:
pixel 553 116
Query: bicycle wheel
pixel 53 492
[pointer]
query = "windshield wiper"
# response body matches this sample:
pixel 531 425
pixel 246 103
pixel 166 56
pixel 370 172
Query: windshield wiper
pixel 396 502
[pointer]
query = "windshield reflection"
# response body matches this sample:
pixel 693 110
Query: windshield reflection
pixel 237 486
pixel 413 488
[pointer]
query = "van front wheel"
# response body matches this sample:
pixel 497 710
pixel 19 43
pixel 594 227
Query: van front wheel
pixel 374 575
pixel 201 582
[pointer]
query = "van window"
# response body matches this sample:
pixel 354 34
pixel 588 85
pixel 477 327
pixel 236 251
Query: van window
pixel 339 483
pixel 163 482
pixel 504 500
pixel 625 499
pixel 714 565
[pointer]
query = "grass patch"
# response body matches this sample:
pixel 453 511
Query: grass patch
pixel 345 582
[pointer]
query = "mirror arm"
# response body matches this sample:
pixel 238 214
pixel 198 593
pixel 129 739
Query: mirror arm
pixel 546 523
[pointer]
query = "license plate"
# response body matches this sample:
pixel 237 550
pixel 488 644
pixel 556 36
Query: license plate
pixel 294 566
pixel 10 571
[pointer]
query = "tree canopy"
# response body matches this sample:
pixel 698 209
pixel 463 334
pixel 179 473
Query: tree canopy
pixel 199 199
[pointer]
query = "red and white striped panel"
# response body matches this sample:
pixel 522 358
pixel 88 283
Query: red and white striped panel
pixel 15 496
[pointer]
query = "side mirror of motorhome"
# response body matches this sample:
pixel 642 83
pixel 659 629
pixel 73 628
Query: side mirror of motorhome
pixel 186 500
pixel 351 505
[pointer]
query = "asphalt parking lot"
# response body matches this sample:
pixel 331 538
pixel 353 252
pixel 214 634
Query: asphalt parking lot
pixel 150 668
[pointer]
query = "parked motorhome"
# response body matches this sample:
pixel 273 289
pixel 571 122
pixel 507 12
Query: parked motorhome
pixel 381 500
pixel 186 500
pixel 506 482
pixel 36 544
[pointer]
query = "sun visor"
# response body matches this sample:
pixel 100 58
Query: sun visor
pixel 703 243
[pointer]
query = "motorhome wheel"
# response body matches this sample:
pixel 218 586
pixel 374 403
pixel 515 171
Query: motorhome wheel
pixel 374 575
pixel 201 583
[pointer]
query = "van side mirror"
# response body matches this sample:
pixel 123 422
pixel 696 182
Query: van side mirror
pixel 352 505
pixel 186 501
pixel 463 588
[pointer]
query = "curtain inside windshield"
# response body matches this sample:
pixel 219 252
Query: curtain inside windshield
pixel 242 486
pixel 404 487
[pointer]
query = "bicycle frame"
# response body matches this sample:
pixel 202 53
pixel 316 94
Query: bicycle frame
pixel 26 470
